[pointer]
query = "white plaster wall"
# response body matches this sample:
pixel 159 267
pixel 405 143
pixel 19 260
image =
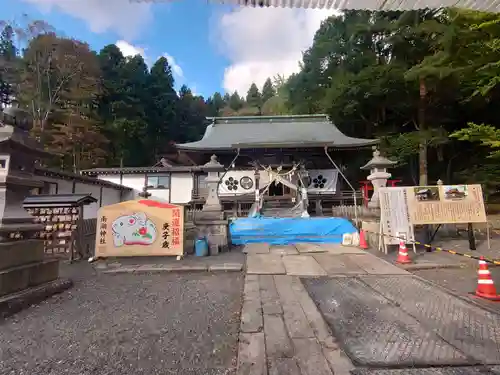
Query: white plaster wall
pixel 181 184
pixel 90 211
pixel 133 181
pixel 109 196
pixel 160 194
pixel 64 186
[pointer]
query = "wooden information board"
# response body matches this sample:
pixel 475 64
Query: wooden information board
pixel 446 204
pixel 140 228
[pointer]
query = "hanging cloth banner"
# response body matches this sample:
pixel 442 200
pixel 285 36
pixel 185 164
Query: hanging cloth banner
pixel 323 181
pixel 237 183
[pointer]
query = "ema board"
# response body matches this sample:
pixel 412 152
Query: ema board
pixel 140 228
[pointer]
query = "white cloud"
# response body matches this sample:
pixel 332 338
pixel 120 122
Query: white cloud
pixel 176 69
pixel 264 42
pixel 130 50
pixel 126 18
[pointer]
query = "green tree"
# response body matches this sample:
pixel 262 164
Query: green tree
pixel 162 107
pixel 268 90
pixel 191 116
pixel 254 98
pixel 8 62
pixel 215 103
pixel 235 101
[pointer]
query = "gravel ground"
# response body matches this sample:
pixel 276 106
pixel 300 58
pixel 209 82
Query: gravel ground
pixel 128 324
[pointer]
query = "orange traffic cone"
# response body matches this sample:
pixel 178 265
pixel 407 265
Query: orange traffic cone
pixel 403 257
pixel 362 240
pixel 485 286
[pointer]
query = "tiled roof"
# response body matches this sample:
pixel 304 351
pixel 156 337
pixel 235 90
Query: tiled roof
pixel 226 133
pixel 58 200
pixel 483 5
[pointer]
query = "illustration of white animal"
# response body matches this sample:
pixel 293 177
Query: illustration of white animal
pixel 134 229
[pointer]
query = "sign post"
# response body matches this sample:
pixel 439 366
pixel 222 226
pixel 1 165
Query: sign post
pixel 404 207
pixel 394 218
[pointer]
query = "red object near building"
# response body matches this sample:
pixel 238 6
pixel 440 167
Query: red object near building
pixel 367 187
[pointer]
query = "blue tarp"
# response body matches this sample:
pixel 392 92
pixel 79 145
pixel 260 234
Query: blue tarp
pixel 284 231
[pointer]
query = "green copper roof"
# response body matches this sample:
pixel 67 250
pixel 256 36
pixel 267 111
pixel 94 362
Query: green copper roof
pixel 226 133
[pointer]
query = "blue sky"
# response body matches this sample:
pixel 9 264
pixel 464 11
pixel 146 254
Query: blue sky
pixel 211 47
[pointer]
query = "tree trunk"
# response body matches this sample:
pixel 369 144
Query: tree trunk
pixel 422 148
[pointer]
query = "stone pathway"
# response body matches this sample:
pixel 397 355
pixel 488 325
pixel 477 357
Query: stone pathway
pixel 282 331
pixel 315 260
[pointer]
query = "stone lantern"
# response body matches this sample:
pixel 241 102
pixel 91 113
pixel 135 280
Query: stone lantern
pixel 23 266
pixel 212 202
pixel 378 175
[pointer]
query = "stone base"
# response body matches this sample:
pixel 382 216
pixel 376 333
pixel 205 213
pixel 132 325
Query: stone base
pixel 371 228
pixel 17 301
pixel 16 253
pixel 190 236
pixel 15 279
pixel 213 226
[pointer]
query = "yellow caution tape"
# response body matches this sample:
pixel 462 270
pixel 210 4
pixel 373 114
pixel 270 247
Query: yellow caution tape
pixel 492 261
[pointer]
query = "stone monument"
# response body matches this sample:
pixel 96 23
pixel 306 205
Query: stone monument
pixel 23 265
pixel 378 175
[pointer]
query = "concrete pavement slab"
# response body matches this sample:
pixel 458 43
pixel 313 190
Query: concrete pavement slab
pixel 251 316
pixel 265 264
pixel 320 328
pixel 338 264
pixel 305 248
pixel 474 331
pixel 336 248
pixel 295 319
pixel 251 290
pixel 426 371
pixel 225 267
pixel 278 344
pixel 375 266
pixel 283 250
pixel 256 248
pixel 252 354
pixel 302 265
pixel 375 332
pixel 269 295
pixel 310 357
pixel 283 366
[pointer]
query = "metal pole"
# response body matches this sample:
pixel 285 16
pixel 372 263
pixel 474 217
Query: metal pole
pixel 348 183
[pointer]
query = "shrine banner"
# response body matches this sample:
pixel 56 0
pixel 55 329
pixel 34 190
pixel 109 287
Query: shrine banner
pixel 140 228
pixel 446 204
pixel 323 181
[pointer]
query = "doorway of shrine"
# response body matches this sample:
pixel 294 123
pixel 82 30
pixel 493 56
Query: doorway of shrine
pixel 278 190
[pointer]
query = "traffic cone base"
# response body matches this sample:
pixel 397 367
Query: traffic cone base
pixel 485 286
pixel 362 240
pixel 403 257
